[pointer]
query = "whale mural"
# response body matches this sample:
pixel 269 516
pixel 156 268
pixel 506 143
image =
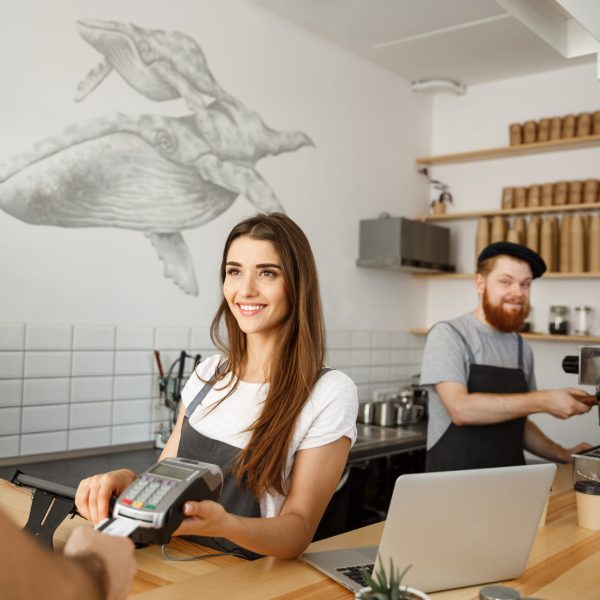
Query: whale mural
pixel 150 173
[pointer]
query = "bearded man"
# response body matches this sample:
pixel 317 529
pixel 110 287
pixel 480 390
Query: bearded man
pixel 479 374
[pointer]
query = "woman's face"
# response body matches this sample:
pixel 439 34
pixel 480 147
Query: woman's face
pixel 254 286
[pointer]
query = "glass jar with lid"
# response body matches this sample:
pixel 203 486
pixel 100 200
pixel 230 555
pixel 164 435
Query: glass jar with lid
pixel 582 320
pixel 559 320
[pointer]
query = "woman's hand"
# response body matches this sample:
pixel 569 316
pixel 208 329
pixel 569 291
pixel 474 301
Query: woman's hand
pixel 206 518
pixel 94 493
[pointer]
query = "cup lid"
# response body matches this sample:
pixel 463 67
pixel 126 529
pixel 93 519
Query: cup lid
pixel 585 486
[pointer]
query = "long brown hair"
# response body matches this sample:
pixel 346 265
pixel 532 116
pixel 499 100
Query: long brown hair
pixel 298 352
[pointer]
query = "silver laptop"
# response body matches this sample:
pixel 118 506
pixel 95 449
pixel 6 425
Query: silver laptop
pixel 456 528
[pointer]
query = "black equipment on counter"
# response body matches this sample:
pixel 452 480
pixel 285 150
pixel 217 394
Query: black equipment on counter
pixel 148 511
pixel 587 365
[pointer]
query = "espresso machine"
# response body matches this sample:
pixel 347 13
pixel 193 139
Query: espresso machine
pixel 587 365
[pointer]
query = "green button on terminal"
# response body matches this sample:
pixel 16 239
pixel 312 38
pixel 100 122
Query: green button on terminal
pixel 150 506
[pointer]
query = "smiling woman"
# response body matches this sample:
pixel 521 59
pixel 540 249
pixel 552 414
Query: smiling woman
pixel 266 410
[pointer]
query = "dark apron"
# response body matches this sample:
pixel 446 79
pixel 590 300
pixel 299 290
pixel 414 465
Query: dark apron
pixel 235 497
pixel 483 446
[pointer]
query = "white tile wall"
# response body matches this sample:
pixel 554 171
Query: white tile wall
pixel 10 421
pixel 48 337
pixel 85 386
pixel 11 365
pixel 41 443
pixel 46 391
pixel 11 392
pixel 91 389
pixel 45 418
pixel 93 437
pixel 93 363
pixel 47 364
pixel 90 414
pixel 135 338
pixel 94 337
pixel 132 411
pixel 12 336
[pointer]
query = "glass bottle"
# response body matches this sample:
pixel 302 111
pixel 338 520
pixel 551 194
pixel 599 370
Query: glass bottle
pixel 582 320
pixel 559 324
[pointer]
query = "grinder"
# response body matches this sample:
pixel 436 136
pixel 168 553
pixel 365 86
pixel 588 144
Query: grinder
pixel 587 364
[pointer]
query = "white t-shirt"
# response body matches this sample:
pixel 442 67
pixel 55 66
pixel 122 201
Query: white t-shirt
pixel 329 413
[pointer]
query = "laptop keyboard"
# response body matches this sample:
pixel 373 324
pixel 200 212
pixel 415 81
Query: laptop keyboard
pixel 355 573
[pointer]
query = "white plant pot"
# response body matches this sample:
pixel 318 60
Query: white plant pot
pixel 415 594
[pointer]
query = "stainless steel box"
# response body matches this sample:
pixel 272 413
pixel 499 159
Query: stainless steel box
pixel 400 243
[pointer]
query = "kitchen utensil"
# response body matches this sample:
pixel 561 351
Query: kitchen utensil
pixel 409 413
pixel 365 413
pixel 385 413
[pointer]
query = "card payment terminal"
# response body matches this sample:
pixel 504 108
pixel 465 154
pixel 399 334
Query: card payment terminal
pixel 151 507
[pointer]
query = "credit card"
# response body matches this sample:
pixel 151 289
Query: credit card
pixel 117 527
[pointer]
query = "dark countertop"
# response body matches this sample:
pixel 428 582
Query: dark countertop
pixel 374 441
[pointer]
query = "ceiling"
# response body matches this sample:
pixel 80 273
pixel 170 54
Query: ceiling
pixel 469 41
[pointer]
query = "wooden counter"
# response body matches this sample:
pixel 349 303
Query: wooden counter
pixel 564 562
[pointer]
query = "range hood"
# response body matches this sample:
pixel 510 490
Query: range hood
pixel 404 244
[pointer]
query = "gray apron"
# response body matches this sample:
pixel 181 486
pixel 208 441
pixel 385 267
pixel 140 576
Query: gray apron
pixel 235 497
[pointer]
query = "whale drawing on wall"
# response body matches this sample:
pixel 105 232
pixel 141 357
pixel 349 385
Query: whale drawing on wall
pixel 150 173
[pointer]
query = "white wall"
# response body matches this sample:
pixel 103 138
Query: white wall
pixel 480 120
pixel 366 124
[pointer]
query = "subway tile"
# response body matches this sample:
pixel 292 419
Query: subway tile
pixel 380 339
pixel 172 338
pixel 397 372
pixel 125 434
pixel 399 339
pixel 160 412
pixel 45 418
pixel 200 338
pixel 9 446
pixel 91 389
pixel 132 411
pixel 47 364
pixel 361 374
pixel 90 414
pixel 339 339
pixel 48 337
pixel 338 358
pixel 94 337
pixel 398 357
pixel 11 365
pixel 93 363
pixel 135 386
pixel 134 362
pixel 135 338
pixel 380 356
pixel 416 341
pixel 364 392
pixel 379 374
pixel 12 336
pixel 360 358
pixel 11 392
pixel 42 443
pixel 415 356
pixel 10 420
pixel 91 437
pixel 361 339
pixel 46 391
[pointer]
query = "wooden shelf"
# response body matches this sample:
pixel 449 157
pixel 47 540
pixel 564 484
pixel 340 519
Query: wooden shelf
pixel 532 210
pixel 541 337
pixel 509 151
pixel 551 275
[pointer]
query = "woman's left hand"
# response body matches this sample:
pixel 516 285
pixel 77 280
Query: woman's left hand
pixel 203 518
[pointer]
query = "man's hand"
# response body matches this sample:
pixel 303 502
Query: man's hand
pixel 115 553
pixel 566 454
pixel 566 402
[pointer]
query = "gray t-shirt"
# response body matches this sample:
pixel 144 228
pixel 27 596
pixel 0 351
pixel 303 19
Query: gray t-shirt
pixel 445 358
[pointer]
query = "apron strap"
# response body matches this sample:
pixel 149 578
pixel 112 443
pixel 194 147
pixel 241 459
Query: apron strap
pixel 520 342
pixel 462 337
pixel 193 405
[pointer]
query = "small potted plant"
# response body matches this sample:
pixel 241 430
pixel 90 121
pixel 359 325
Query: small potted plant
pixel 438 205
pixel 384 587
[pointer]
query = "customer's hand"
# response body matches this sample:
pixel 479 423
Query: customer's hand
pixel 115 553
pixel 567 402
pixel 566 454
pixel 94 493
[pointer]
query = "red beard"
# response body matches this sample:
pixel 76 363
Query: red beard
pixel 502 320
